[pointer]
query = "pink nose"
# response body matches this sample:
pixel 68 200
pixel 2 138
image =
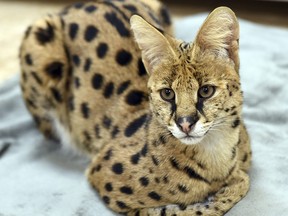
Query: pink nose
pixel 186 127
pixel 186 124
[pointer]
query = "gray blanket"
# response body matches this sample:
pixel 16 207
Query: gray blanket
pixel 37 178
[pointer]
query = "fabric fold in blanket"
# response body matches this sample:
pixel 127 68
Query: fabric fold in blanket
pixel 37 178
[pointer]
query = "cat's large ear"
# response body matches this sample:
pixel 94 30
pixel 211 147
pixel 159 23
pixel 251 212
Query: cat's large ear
pixel 154 45
pixel 220 34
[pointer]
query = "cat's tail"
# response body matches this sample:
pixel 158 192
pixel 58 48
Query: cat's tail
pixel 45 70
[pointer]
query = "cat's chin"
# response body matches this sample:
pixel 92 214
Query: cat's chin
pixel 188 140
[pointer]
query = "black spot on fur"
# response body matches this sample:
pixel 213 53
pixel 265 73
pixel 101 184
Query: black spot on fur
pixel 141 68
pixel 34 90
pixel 56 95
pixel 182 206
pixel 163 212
pixel 106 199
pixel 96 169
pixel 157 180
pixel 45 35
pixel 24 76
pixel 55 70
pixel 73 30
pixel 108 90
pixel 123 57
pixel 97 81
pixel 90 33
pixel 144 181
pixel 108 187
pixel 144 150
pixel 245 157
pixel 183 188
pixel 85 110
pixel 236 123
pixel 31 103
pixel 87 64
pixel 108 155
pixel 131 8
pixel 117 24
pixel 117 168
pixel 135 125
pixel 37 78
pixel 165 16
pixel 90 9
pixel 77 82
pixel 160 141
pixel 165 179
pixel 134 97
pixel 233 153
pixel 199 213
pixel 76 60
pixel 126 190
pixel 71 103
pixel 106 122
pixel 192 174
pixel 28 59
pixel 174 163
pixel 87 137
pixel 155 160
pixel 155 196
pixel 97 131
pixel 121 205
pixel 78 5
pixel 102 50
pixel 123 86
pixel 135 158
pixel 114 132
pixel 200 165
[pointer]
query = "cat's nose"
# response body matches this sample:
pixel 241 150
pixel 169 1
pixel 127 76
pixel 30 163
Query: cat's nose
pixel 186 124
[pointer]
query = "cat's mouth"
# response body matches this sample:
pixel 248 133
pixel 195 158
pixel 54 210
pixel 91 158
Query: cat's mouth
pixel 191 140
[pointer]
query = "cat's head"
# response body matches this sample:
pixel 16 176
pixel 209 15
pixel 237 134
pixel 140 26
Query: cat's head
pixel 194 87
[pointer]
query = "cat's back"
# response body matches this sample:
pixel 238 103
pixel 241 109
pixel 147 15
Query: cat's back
pixel 108 82
pixel 82 70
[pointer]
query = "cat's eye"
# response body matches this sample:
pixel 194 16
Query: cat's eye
pixel 206 91
pixel 167 94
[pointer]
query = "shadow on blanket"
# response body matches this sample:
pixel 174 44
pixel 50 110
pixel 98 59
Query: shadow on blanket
pixel 38 179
